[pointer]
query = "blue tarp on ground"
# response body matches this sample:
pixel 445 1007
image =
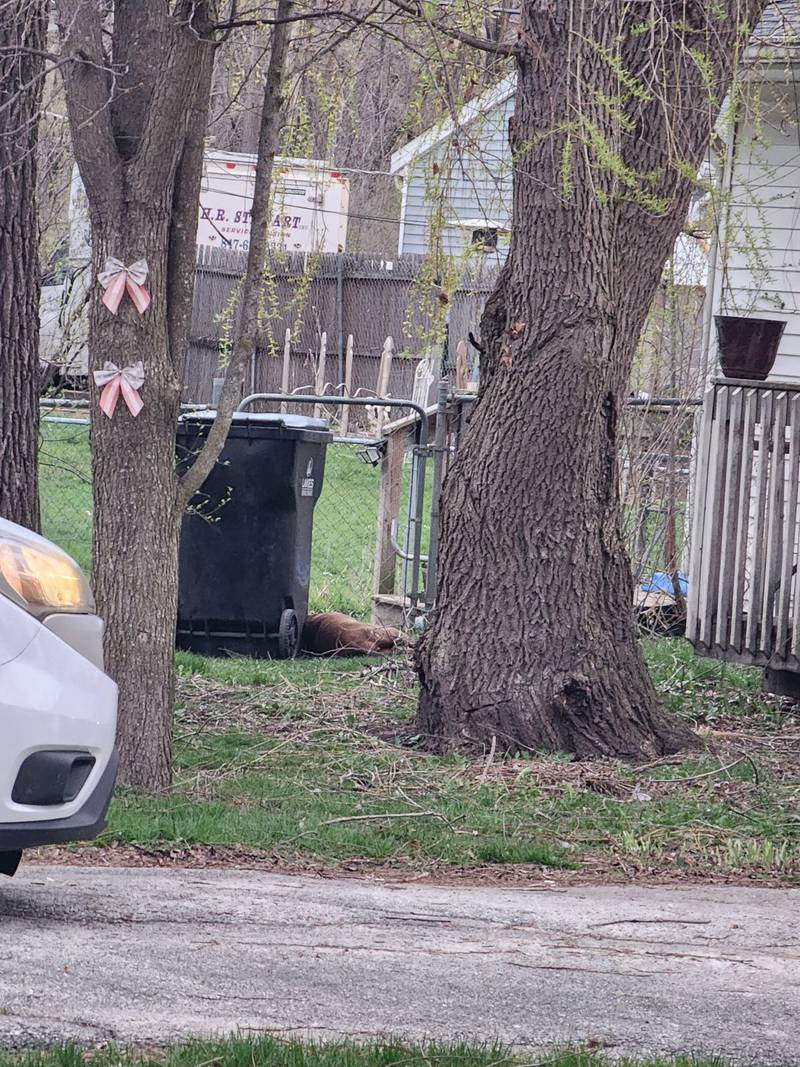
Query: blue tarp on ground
pixel 661 582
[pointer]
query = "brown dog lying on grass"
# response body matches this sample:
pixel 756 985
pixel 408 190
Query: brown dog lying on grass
pixel 334 634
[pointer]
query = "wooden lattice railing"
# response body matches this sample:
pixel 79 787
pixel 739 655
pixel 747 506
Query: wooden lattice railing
pixel 743 597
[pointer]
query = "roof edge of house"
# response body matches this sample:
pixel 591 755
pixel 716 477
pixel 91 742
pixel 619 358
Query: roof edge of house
pixel 440 131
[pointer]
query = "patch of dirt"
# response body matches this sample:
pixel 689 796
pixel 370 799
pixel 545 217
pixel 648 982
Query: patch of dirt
pixel 208 706
pixel 605 871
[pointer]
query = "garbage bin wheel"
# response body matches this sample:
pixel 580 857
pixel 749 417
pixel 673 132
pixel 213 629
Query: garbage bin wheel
pixel 288 635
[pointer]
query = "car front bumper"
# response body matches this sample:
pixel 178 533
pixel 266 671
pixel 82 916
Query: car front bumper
pixel 83 825
pixel 58 716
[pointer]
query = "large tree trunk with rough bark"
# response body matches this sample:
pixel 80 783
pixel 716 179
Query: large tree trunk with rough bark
pixel 23 27
pixel 533 641
pixel 136 525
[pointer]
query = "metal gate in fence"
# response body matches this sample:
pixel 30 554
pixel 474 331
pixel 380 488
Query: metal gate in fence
pixel 376 524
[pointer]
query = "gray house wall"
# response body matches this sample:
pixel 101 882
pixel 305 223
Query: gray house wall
pixel 463 178
pixel 473 157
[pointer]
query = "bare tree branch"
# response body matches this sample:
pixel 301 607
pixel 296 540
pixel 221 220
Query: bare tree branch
pixel 268 145
pixel 89 92
pixel 415 10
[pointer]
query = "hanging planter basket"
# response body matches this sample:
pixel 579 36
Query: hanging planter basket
pixel 748 347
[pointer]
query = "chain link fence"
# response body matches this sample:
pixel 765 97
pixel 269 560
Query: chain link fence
pixel 65 485
pixel 345 518
pixel 655 462
pixel 350 550
pixel 655 470
pixel 345 523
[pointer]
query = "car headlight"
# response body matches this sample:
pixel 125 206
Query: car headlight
pixel 43 576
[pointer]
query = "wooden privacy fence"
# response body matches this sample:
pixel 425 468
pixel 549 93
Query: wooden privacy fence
pixel 743 588
pixel 337 295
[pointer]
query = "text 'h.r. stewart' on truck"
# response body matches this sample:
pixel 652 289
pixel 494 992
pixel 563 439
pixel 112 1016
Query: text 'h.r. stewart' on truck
pixel 309 204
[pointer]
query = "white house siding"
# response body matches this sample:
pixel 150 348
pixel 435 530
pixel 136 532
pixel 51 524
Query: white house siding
pixel 759 268
pixel 473 182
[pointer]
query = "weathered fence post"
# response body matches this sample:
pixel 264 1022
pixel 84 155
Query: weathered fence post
pixel 462 367
pixel 344 421
pixel 287 359
pixel 319 381
pixel 340 317
pixel 384 375
pixel 388 510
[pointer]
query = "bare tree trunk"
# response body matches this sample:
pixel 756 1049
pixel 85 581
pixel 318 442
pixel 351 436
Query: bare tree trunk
pixel 533 642
pixel 252 283
pixel 136 529
pixel 23 28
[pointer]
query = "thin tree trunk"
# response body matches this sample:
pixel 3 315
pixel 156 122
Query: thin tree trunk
pixel 533 642
pixel 23 27
pixel 249 297
pixel 141 162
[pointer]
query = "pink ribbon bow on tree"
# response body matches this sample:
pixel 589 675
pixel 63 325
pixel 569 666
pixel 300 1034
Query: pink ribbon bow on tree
pixel 116 278
pixel 114 381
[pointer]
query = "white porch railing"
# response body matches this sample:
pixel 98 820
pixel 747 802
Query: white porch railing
pixel 744 602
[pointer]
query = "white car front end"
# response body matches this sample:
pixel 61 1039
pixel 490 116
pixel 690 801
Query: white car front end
pixel 58 709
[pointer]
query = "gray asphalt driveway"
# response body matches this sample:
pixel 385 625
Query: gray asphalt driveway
pixel 153 955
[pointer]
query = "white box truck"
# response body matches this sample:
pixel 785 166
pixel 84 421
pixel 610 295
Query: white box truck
pixel 309 204
pixel 309 214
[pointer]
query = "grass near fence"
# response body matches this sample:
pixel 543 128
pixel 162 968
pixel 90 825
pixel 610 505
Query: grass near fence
pixel 344 520
pixel 65 489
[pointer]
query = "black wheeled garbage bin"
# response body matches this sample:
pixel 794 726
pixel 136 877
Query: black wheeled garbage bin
pixel 245 555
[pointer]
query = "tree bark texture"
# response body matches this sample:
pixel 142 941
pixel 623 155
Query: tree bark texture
pixel 533 640
pixel 141 161
pixel 23 27
pixel 138 119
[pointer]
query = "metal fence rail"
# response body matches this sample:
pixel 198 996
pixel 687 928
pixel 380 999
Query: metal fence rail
pixel 376 524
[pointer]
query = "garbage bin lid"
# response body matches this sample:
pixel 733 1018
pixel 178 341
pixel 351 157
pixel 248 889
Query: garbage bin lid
pixel 269 418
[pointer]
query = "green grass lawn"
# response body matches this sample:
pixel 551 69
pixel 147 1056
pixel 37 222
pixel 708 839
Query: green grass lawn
pixel 275 1052
pixel 65 489
pixel 344 520
pixel 316 762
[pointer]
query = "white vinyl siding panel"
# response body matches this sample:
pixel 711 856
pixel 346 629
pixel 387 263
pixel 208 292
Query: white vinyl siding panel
pixel 760 265
pixel 466 178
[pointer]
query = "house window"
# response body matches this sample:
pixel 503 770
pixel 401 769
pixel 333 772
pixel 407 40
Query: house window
pixel 486 239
